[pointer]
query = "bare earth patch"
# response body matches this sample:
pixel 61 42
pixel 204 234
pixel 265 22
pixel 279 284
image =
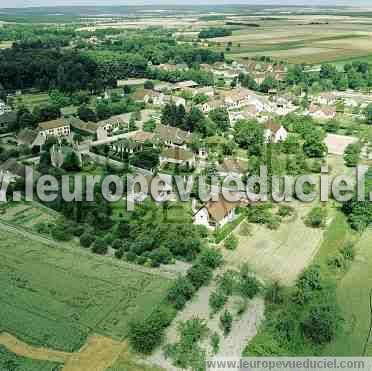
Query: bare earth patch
pixel 337 144
pixel 279 255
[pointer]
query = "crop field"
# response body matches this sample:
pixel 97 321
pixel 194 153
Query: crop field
pixel 9 359
pixel 279 255
pixel 307 39
pixel 56 297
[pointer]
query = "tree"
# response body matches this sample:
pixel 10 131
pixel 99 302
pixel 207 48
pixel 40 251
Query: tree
pixel 352 154
pixel 250 135
pixel 369 114
pixel 314 145
pixel 72 162
pixel 221 117
pixel 46 113
pixel 103 111
pixel 317 217
pixel 86 114
pixel 180 292
pixel 321 322
pixel 100 246
pixel 86 239
pixel 148 85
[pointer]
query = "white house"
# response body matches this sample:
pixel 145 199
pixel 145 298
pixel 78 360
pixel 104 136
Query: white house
pixel 274 132
pixel 236 98
pixel 105 128
pixel 56 128
pixel 4 108
pixel 215 214
pixel 211 105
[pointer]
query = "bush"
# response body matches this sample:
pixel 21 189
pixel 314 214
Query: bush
pixel 285 211
pixel 317 217
pixel 100 246
pixel 211 258
pixel 348 251
pixel 249 287
pixel 226 320
pixel 321 323
pixel 181 291
pixel 215 342
pixel 231 242
pixel 145 335
pixel 217 300
pixel 62 232
pixel 119 253
pixel 117 245
pixel 199 275
pixel 86 239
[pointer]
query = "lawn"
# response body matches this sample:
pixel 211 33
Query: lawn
pixel 57 297
pixel 10 361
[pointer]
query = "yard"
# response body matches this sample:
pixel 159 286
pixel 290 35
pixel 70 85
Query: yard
pixel 56 297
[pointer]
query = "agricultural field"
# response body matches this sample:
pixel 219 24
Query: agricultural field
pixel 57 297
pixel 307 39
pixel 10 361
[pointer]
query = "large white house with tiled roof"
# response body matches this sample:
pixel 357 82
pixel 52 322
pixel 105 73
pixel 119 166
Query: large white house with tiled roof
pixel 55 128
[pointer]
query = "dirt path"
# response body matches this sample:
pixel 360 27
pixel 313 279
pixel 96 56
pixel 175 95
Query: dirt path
pixel 98 354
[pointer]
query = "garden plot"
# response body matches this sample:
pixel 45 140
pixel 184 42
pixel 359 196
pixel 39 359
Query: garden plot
pixel 278 255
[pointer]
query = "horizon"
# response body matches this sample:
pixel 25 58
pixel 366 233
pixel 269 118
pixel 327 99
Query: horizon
pixel 19 4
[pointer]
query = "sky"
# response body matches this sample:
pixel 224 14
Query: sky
pixel 28 3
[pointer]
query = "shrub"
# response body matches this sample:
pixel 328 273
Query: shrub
pixel 100 247
pixel 321 323
pixel 317 217
pixel 217 300
pixel 215 342
pixel 285 211
pixel 117 245
pixel 199 275
pixel 62 232
pixel 119 253
pixel 86 239
pixel 211 258
pixel 180 292
pixel 146 335
pixel 348 251
pixel 226 320
pixel 231 242
pixel 249 287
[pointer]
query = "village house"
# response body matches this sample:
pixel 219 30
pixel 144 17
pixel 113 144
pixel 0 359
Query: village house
pixel 284 106
pixel 55 128
pixel 247 113
pixel 325 99
pixel 232 167
pixel 171 136
pixel 215 214
pixel 322 112
pixel 208 91
pixel 31 138
pixel 274 132
pixel 106 128
pixel 185 84
pixel 236 98
pixel 211 105
pixel 82 127
pixel 178 156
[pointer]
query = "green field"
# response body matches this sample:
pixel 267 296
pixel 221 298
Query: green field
pixel 56 297
pixel 12 362
pixel 353 296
